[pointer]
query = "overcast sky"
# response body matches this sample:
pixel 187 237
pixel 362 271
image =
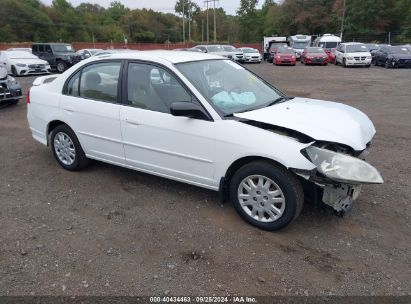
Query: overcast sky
pixel 166 6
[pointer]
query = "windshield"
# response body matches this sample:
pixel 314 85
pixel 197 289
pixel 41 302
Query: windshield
pixel 228 48
pixel 300 45
pixel 93 52
pixel 399 50
pixel 356 48
pixel 275 46
pixel 214 48
pixel 62 48
pixel 250 51
pixel 21 55
pixel 228 86
pixel 315 50
pixel 285 51
pixel 328 44
pixel 372 47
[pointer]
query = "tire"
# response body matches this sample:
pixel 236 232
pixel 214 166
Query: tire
pixel 282 181
pixel 335 61
pixel 14 71
pixel 61 66
pixel 344 64
pixel 72 163
pixel 387 64
pixel 13 102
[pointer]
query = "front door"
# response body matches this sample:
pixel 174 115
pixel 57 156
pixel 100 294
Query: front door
pixel 156 141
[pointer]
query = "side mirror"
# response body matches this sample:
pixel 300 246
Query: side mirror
pixel 188 109
pixel 86 55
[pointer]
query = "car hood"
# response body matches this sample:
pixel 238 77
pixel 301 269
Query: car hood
pixel 28 61
pixel 318 119
pixel 356 54
pixel 71 54
pixel 317 54
pixel 401 56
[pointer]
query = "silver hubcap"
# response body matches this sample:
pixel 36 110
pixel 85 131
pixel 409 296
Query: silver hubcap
pixel 261 198
pixel 64 148
pixel 60 67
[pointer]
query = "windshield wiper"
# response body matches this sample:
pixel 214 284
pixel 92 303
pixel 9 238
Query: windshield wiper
pixel 278 100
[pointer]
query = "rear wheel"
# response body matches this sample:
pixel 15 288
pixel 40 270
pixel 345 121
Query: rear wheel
pixel 266 195
pixel 67 149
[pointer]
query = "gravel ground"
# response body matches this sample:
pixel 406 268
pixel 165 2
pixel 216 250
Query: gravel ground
pixel 112 231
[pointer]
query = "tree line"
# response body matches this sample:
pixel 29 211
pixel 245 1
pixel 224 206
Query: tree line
pixel 367 20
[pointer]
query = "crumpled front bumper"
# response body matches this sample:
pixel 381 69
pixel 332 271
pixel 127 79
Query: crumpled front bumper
pixel 340 197
pixel 9 92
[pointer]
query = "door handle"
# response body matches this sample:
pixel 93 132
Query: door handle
pixel 132 122
pixel 68 109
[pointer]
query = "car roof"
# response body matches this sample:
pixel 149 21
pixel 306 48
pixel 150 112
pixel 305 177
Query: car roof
pixel 170 56
pixel 53 43
pixel 352 43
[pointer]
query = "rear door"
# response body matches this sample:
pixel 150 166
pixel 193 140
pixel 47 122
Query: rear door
pixel 156 141
pixel 90 106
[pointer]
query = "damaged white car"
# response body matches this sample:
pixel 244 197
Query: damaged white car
pixel 207 121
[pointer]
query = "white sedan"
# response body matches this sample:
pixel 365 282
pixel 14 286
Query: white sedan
pixel 251 55
pixel 19 63
pixel 207 121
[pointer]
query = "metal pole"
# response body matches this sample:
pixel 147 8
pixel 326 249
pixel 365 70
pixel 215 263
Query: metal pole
pixel 215 26
pixel 208 36
pixel 202 30
pixel 189 21
pixel 184 29
pixel 342 21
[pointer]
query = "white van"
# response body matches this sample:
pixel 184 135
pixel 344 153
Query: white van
pixel 299 43
pixel 328 42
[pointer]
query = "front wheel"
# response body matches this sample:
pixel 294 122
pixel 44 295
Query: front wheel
pixel 61 66
pixel 387 64
pixel 266 195
pixel 14 71
pixel 67 149
pixel 344 63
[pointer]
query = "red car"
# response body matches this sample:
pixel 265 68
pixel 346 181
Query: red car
pixel 331 56
pixel 314 55
pixel 285 55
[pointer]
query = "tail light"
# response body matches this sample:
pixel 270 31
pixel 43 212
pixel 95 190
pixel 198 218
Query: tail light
pixel 28 96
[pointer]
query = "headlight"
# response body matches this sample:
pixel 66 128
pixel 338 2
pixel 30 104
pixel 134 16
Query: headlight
pixel 309 57
pixel 349 58
pixel 369 57
pixel 22 65
pixel 343 168
pixel 12 80
pixel 278 57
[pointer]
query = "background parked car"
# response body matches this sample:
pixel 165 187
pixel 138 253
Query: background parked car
pixel 60 56
pixel 353 54
pixel 238 55
pixel 373 49
pixel 285 55
pixel 331 55
pixel 215 49
pixel 10 89
pixel 314 55
pixel 393 57
pixel 19 63
pixel 251 55
pixel 273 49
pixel 87 53
pixel 20 49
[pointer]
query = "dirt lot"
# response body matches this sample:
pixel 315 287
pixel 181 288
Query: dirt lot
pixel 108 230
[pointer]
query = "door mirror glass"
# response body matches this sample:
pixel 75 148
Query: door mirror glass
pixel 188 109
